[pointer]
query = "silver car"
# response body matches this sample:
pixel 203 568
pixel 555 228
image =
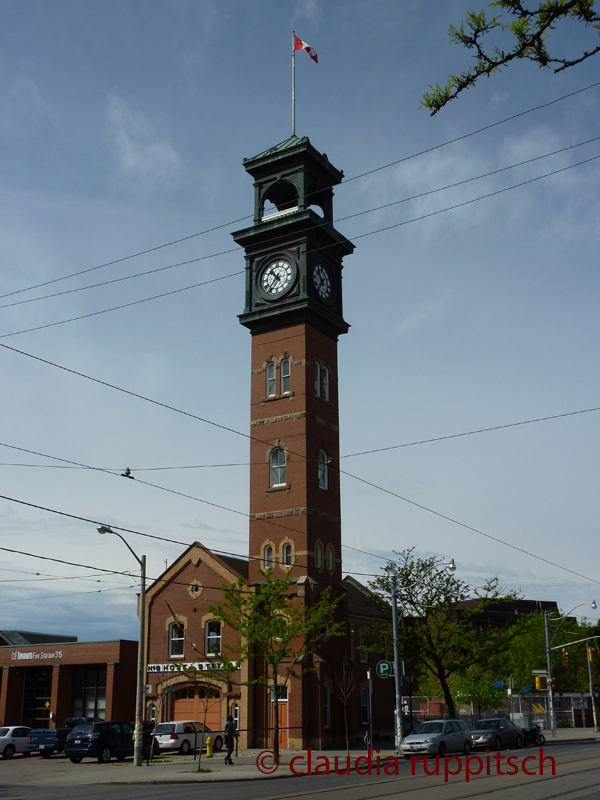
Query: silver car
pixel 437 737
pixel 14 739
pixel 496 733
pixel 183 736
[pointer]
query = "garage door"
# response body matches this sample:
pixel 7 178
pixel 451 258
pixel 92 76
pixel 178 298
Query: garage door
pixel 194 702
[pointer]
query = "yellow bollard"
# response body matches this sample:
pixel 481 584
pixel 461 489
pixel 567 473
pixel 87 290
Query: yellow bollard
pixel 209 747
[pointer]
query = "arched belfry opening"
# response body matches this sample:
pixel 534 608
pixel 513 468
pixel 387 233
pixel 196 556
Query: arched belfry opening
pixel 279 198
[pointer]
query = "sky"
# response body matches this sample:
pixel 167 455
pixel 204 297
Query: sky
pixel 123 127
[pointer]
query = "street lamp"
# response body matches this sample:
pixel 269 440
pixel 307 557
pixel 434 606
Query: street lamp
pixel 549 657
pixel 399 734
pixel 138 743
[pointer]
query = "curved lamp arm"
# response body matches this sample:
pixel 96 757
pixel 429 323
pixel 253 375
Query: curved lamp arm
pixel 566 616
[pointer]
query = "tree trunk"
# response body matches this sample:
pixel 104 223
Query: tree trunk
pixel 450 708
pixel 275 716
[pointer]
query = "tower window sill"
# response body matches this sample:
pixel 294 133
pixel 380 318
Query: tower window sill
pixel 285 396
pixel 285 487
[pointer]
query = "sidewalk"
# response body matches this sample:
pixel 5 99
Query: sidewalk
pixel 183 769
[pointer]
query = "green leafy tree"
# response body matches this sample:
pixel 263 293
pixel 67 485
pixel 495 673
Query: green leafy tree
pixel 439 632
pixel 276 629
pixel 527 29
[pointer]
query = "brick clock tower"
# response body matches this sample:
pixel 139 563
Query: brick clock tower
pixel 293 310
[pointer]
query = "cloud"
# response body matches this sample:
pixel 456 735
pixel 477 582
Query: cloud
pixel 423 313
pixel 22 101
pixel 306 10
pixel 145 161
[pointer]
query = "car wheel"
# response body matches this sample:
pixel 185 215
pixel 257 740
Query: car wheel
pixel 9 751
pixel 467 747
pixel 497 743
pixel 156 748
pixel 185 748
pixel 441 749
pixel 45 753
pixel 540 739
pixel 218 744
pixel 105 755
pixel 519 742
pixel 76 759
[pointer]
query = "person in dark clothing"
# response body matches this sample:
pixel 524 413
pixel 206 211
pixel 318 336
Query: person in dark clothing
pixel 230 733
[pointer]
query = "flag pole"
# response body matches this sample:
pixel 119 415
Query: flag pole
pixel 293 85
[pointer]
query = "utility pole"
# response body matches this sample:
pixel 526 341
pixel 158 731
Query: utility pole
pixel 549 679
pixel 589 664
pixel 397 672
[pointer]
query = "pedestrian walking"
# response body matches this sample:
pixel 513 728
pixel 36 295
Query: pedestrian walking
pixel 230 733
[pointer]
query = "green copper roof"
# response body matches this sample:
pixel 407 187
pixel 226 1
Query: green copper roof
pixel 289 144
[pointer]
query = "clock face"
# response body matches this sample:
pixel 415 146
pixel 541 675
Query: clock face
pixel 276 277
pixel 322 282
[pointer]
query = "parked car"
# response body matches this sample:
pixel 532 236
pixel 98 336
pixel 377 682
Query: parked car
pixel 52 740
pixel 14 739
pixel 184 736
pixel 103 740
pixel 496 733
pixel 438 737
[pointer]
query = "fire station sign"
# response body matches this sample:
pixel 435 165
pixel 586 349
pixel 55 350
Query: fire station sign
pixel 197 666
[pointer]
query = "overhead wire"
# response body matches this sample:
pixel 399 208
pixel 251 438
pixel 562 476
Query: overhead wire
pixel 346 181
pixel 313 250
pixel 418 196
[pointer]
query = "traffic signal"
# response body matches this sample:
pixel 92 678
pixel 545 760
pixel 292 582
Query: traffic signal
pixel 591 654
pixel 565 657
pixel 538 683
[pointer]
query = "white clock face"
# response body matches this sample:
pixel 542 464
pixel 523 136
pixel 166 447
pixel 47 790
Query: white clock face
pixel 322 282
pixel 276 277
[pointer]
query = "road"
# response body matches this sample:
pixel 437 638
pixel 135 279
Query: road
pixel 576 775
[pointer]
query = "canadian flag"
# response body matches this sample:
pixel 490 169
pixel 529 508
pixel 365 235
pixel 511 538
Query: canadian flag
pixel 300 45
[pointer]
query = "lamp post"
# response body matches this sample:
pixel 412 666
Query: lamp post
pixel 138 744
pixel 399 733
pixel 549 657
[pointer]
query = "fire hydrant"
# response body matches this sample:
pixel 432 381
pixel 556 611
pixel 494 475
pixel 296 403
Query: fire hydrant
pixel 209 747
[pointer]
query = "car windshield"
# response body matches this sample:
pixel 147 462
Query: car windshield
pixel 486 725
pixel 4 731
pixel 82 729
pixel 164 728
pixel 430 727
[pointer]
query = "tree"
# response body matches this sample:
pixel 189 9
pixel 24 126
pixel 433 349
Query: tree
pixel 276 629
pixel 528 32
pixel 441 632
pixel 346 687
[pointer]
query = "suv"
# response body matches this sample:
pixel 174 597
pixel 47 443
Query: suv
pixel 184 736
pixel 102 740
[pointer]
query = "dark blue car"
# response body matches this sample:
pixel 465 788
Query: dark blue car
pixel 101 740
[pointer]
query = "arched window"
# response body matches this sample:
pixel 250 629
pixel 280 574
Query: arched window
pixel 325 374
pixel 271 388
pixel 330 559
pixel 323 470
pixel 285 376
pixel 319 556
pixel 176 640
pixel 317 379
pixel 268 557
pixel 277 467
pixel 287 555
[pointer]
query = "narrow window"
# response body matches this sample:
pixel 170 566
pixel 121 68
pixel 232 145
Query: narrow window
pixel 277 467
pixel 317 379
pixel 176 640
pixel 268 557
pixel 325 372
pixel 319 556
pixel 330 558
pixel 285 376
pixel 271 379
pixel 287 555
pixel 213 638
pixel 323 470
pixel 327 705
pixel 364 656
